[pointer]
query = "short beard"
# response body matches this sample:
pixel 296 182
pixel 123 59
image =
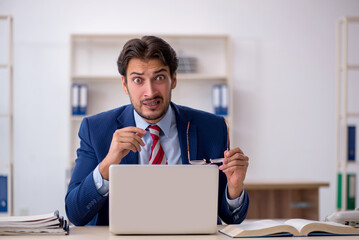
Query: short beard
pixel 155 117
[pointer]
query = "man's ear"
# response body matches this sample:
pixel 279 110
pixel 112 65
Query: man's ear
pixel 174 80
pixel 124 85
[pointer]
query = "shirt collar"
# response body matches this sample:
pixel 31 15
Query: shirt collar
pixel 164 123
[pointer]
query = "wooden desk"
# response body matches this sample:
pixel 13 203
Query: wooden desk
pixel 102 233
pixel 283 199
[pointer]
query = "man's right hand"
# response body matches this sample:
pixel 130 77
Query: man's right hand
pixel 123 140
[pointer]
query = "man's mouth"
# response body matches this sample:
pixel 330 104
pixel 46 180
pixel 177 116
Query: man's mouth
pixel 151 102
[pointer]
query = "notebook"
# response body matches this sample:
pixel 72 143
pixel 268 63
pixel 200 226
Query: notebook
pixel 163 199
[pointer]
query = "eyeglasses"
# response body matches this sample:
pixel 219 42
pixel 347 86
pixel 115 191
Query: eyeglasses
pixel 204 161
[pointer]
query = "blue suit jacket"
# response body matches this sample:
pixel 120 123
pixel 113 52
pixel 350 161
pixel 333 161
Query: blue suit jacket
pixel 207 139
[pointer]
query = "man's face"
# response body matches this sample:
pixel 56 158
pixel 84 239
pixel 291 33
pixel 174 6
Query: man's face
pixel 149 85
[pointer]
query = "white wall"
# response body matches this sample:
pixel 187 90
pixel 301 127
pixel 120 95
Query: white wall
pixel 283 71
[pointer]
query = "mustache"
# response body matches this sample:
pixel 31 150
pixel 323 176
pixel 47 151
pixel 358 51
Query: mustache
pixel 151 99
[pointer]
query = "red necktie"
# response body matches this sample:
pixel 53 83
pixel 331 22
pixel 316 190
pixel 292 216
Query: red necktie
pixel 157 153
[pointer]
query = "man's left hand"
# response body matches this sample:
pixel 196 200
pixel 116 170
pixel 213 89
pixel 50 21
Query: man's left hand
pixel 235 165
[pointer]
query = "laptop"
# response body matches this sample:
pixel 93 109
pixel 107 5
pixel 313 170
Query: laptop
pixel 163 199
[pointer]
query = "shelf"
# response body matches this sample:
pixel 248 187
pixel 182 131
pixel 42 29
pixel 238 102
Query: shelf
pixel 6 164
pixel 91 36
pixel 341 116
pixel 349 19
pixel 343 100
pixel 95 79
pixel 180 76
pixel 349 163
pixel 349 67
pixel 4 65
pixel 77 118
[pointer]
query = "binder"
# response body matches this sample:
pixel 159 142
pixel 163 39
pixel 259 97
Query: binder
pixel 220 99
pixel 216 98
pixel 79 99
pixel 224 99
pixel 75 99
pixel 351 191
pixel 3 194
pixel 351 143
pixel 83 99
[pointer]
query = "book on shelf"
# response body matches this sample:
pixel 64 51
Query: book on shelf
pixel 292 227
pixel 351 143
pixel 79 99
pixel 3 194
pixel 51 223
pixel 220 99
pixel 351 191
pixel 187 64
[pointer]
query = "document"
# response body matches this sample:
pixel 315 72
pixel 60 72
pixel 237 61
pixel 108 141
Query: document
pixel 51 223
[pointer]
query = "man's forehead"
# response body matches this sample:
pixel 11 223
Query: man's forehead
pixel 137 65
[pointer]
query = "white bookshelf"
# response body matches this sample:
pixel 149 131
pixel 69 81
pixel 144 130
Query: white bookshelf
pixel 94 62
pixel 347 105
pixel 6 107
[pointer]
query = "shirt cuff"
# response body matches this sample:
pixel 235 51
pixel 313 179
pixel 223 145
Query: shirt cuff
pixel 100 183
pixel 234 204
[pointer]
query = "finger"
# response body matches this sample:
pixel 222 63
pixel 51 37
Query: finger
pixel 133 140
pixel 229 153
pixel 243 165
pixel 138 131
pixel 129 146
pixel 120 135
pixel 235 157
pixel 235 169
pixel 233 163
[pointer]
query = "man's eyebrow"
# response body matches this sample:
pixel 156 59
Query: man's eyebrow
pixel 155 72
pixel 136 73
pixel 161 70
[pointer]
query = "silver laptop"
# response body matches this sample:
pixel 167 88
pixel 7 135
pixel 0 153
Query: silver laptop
pixel 175 199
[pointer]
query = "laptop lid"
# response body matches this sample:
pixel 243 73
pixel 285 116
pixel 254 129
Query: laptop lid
pixel 163 199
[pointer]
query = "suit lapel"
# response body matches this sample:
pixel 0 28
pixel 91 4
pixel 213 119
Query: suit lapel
pixel 182 120
pixel 126 119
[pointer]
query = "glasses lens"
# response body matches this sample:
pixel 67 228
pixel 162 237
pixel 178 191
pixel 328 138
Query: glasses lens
pixel 217 160
pixel 198 162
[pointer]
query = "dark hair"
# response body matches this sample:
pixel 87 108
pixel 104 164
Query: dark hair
pixel 148 47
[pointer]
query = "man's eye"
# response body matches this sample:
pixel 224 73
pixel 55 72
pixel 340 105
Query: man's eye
pixel 160 77
pixel 137 80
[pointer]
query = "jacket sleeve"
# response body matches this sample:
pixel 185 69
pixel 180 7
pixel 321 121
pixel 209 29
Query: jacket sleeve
pixel 238 215
pixel 82 201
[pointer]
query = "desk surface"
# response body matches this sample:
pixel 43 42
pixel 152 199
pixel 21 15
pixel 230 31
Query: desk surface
pixel 283 184
pixel 102 232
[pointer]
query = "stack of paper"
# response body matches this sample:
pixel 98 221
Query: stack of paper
pixel 50 223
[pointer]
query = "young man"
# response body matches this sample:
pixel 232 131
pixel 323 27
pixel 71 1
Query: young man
pixel 122 136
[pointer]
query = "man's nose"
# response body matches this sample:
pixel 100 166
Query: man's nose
pixel 150 89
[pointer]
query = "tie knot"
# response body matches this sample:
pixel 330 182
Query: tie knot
pixel 155 131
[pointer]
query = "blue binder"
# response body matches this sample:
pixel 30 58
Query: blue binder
pixel 83 99
pixel 220 99
pixel 351 143
pixel 75 99
pixel 79 99
pixel 216 98
pixel 3 194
